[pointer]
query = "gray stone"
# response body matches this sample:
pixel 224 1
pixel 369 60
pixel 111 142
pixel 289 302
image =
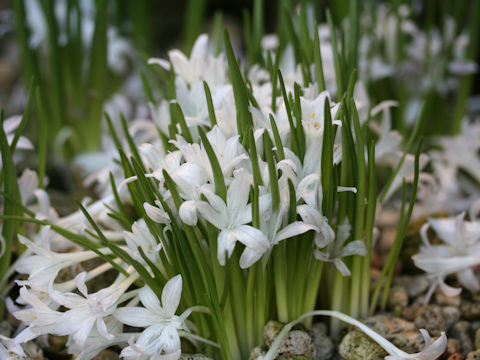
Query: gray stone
pixel 470 310
pixel 397 297
pixel 452 315
pixel 358 346
pixel 107 355
pixel 257 352
pixel 322 343
pixel 389 326
pixel 462 331
pixel 33 350
pixel 431 318
pixel 6 328
pixel 270 331
pixel 296 342
pixel 444 300
pixel 418 285
pixel 473 355
pixel 409 341
pixel 453 347
pixel 477 339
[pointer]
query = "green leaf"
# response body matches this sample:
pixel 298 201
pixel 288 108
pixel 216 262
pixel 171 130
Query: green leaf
pixel 211 110
pixel 9 207
pixel 272 170
pixel 220 188
pixel 244 117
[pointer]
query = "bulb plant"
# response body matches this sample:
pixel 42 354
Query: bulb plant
pixel 252 195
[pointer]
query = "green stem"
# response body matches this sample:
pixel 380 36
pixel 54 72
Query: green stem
pixel 280 278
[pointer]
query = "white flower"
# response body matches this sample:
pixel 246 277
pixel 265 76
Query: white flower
pixel 9 126
pixel 336 250
pixel 38 316
pixel 228 151
pixel 161 334
pixel 141 237
pixel 200 66
pixel 88 310
pixel 44 265
pixel 9 345
pixel 231 219
pixel 459 255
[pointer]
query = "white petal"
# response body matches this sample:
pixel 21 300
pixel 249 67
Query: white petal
pixel 238 193
pixel 340 265
pixel 160 62
pixel 200 46
pixel 102 329
pixel 188 212
pixel 448 290
pixel 11 124
pixel 226 245
pixel 135 316
pixel 80 282
pixel 156 214
pixel 468 279
pixel 149 299
pixel 171 294
pixel 249 257
pixel 252 238
pixel 356 247
pixel 293 229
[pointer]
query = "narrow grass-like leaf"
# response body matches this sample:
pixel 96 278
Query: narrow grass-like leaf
pixel 9 207
pixel 25 117
pixel 272 170
pixel 317 55
pixel 336 57
pixel 244 117
pixel 181 120
pixel 252 152
pixel 42 140
pixel 294 137
pixel 369 226
pixel 278 141
pixel 220 188
pixel 211 110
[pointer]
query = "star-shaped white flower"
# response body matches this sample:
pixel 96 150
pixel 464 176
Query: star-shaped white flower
pixel 161 334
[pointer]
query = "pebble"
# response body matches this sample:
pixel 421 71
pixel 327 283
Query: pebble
pixel 473 355
pixel 470 310
pixel 456 356
pixel 270 331
pixel 297 342
pixel 417 286
pixel 106 355
pixel 6 328
pixel 477 339
pixel 452 315
pixel 409 341
pixel 430 317
pixel 444 300
pixel 258 351
pixel 397 297
pixel 322 343
pixel 461 331
pixel 357 346
pixel 296 357
pixel 453 346
pixel 195 357
pixel 32 350
pixel 388 326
